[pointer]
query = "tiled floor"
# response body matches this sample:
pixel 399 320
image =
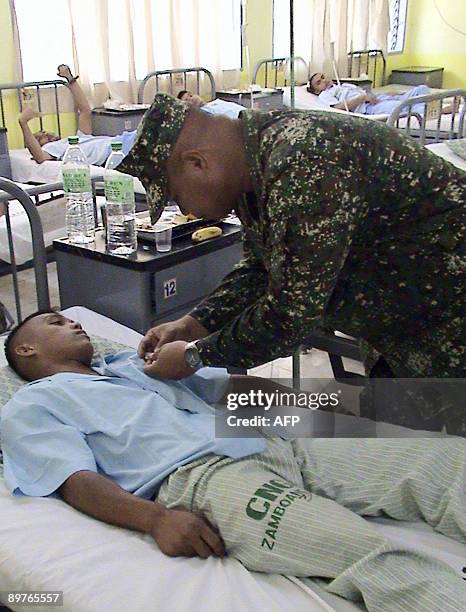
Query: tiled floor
pixel 314 364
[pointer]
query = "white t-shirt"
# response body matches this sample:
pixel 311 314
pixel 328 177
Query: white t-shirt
pixel 338 93
pixel 95 148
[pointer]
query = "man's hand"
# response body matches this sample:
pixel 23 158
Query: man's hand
pixel 183 534
pixel 168 362
pixel 187 328
pixel 27 114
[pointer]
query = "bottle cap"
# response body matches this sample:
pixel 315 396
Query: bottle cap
pixel 116 146
pixel 72 140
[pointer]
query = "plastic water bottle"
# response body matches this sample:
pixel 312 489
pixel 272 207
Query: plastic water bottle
pixel 119 196
pixel 80 222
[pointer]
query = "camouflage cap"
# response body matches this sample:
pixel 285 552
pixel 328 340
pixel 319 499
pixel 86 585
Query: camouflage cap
pixel 156 135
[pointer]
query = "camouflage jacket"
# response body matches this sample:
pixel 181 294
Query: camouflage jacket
pixel 353 226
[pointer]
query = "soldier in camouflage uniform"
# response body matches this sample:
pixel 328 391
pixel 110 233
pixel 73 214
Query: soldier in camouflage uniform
pixel 347 225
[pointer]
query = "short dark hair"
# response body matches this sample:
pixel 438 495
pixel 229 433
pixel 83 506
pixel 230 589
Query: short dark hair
pixel 181 93
pixel 11 357
pixel 310 88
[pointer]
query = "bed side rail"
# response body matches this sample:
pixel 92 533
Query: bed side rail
pixel 11 191
pixel 369 61
pixel 172 81
pixel 23 96
pixel 274 72
pixel 428 127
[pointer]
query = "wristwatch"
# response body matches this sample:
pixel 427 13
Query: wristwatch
pixel 192 357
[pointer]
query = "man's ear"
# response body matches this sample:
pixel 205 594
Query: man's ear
pixel 25 350
pixel 195 160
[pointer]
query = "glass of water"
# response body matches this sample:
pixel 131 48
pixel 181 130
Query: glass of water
pixel 163 236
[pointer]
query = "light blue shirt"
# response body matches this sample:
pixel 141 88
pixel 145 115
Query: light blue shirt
pixel 96 148
pixel 338 93
pixel 125 425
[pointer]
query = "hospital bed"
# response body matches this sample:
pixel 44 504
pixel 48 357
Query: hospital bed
pixel 52 97
pixel 101 567
pixel 274 72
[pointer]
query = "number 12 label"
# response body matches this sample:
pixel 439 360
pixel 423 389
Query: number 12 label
pixel 169 288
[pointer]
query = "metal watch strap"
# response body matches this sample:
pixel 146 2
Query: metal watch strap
pixel 191 352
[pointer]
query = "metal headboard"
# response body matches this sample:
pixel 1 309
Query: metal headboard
pixel 38 86
pixel 273 67
pixel 177 79
pixel 10 191
pixel 371 62
pixel 433 103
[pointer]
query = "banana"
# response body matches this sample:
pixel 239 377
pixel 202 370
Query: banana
pixel 205 233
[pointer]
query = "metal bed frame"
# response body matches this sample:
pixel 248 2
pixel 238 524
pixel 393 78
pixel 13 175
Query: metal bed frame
pixel 368 62
pixel 177 78
pixel 9 190
pixel 37 86
pixel 433 104
pixel 275 66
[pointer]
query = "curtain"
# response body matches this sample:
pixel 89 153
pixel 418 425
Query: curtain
pixel 117 42
pixel 348 24
pixel 18 67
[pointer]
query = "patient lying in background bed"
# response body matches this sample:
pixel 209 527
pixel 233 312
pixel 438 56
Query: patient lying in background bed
pixel 45 146
pixel 355 99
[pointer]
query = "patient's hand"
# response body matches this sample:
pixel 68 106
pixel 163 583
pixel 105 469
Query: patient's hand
pixel 371 98
pixel 183 534
pixel 187 328
pixel 168 362
pixel 27 114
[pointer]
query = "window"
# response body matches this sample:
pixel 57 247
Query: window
pixel 302 28
pixel 164 33
pixel 45 37
pixel 396 35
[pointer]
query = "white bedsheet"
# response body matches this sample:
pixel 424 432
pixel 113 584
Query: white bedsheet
pixel 52 215
pixel 26 170
pixel 47 545
pixel 443 150
pixel 304 100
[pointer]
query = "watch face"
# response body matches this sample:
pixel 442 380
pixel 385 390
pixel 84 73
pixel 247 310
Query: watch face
pixel 192 357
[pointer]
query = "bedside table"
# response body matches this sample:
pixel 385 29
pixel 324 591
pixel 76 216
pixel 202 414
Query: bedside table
pixel 365 84
pixel 147 287
pixel 418 75
pixel 5 166
pixel 270 99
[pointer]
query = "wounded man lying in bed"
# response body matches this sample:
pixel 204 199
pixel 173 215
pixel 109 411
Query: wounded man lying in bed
pixel 45 146
pixel 141 453
pixel 352 98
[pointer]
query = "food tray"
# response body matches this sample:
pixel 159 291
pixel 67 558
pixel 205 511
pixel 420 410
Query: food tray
pixel 180 231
